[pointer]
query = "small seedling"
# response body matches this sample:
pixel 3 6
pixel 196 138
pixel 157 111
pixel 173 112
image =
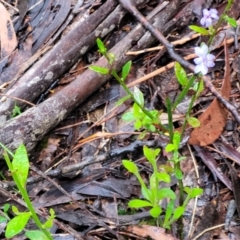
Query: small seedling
pixel 19 168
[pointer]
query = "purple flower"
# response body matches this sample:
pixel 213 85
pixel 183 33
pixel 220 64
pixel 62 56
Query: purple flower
pixel 204 60
pixel 209 17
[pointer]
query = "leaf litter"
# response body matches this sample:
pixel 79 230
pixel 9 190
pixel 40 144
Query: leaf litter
pixel 103 187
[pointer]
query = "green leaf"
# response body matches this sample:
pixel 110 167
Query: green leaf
pixel 180 74
pixel 6 207
pixel 130 166
pixel 199 29
pixel 126 69
pixel 111 57
pixel 101 47
pixel 147 194
pixel 151 154
pixel 168 214
pixel 231 21
pixel 176 139
pixel 128 116
pixel 194 122
pixel 36 235
pixel 155 211
pixel 48 223
pixel 178 212
pixel 194 192
pixel 15 210
pixel 138 95
pixel 178 174
pixel 138 124
pixel 20 164
pixel 170 147
pixel 98 69
pixel 17 224
pixel 163 177
pixel 122 100
pixel 3 219
pixel 166 193
pixel 137 203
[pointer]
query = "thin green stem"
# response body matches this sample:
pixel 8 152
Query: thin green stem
pixel 26 197
pixel 147 113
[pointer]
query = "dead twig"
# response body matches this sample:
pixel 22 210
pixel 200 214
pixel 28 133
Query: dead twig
pixel 129 6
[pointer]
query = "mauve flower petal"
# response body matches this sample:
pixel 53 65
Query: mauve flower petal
pixel 202 21
pixel 204 69
pixel 214 13
pixel 210 64
pixel 205 12
pixel 204 49
pixel 198 60
pixel 210 57
pixel 208 22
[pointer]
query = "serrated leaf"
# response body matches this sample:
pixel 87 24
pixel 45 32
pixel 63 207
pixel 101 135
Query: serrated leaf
pixel 98 69
pixel 130 166
pixel 180 74
pixel 155 211
pixel 36 235
pixel 17 224
pixel 21 165
pixel 126 69
pixel 138 95
pixel 194 122
pixel 137 203
pixel 199 29
pixel 122 100
pixel 178 212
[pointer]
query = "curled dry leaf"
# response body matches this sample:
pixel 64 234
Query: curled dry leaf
pixel 155 233
pixel 7 34
pixel 213 120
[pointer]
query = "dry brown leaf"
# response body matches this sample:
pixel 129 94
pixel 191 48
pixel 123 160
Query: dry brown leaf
pixel 214 119
pixel 7 34
pixel 156 233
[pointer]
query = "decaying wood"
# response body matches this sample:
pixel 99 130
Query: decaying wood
pixel 34 123
pixel 63 55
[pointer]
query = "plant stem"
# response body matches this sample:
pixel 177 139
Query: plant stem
pixel 134 99
pixel 26 197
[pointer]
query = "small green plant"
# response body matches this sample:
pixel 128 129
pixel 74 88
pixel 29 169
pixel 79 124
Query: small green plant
pixel 19 168
pixel 148 121
pixel 16 111
pixel 154 194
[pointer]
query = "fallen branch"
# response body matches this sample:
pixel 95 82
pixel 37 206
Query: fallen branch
pixel 32 125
